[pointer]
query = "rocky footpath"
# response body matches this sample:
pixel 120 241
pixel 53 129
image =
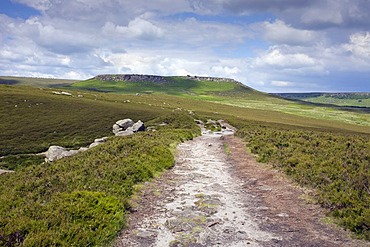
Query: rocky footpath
pixel 203 206
pixel 218 195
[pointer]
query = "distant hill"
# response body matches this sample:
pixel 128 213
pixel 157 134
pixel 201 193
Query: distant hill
pixel 341 99
pixel 173 85
pixel 35 82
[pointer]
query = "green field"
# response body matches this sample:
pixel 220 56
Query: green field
pixel 228 93
pixel 324 148
pixel 35 82
pixel 339 99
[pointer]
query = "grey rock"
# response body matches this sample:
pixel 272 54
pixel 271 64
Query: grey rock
pixel 116 128
pixel 4 171
pixel 197 121
pixel 145 234
pixel 210 121
pixel 124 133
pixel 94 144
pixel 138 126
pixel 57 152
pixel 82 149
pixel 125 123
pixel 101 140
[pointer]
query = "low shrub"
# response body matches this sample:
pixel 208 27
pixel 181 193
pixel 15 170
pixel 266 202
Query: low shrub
pixel 336 165
pixel 81 200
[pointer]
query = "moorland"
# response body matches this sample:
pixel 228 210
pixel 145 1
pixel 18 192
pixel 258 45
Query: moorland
pixel 323 147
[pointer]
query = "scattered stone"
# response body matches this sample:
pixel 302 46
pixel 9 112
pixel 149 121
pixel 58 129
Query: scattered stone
pixel 98 142
pixel 82 149
pixel 145 234
pixel 62 93
pixel 116 128
pixel 283 215
pixel 124 133
pixel 136 127
pixel 251 181
pixel 197 121
pixel 57 152
pixel 125 123
pixel 4 171
pixel 127 127
pixel 213 224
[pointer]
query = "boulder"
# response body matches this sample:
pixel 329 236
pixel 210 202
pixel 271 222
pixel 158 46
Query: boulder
pixel 57 152
pixel 116 128
pixel 94 144
pixel 127 127
pixel 124 133
pixel 101 140
pixel 98 142
pixel 197 121
pixel 138 126
pixel 125 123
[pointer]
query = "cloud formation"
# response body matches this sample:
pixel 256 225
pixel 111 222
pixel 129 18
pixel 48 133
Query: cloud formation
pixel 272 45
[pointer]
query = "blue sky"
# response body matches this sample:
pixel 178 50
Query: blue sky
pixel 270 45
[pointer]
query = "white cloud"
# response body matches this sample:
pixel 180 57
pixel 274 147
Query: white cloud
pixel 281 33
pixel 83 38
pixel 137 28
pixel 359 45
pixel 275 58
pixel 41 5
pixel 226 70
pixel 282 83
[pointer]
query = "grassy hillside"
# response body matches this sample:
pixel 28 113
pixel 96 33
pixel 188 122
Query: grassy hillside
pixel 37 82
pixel 340 99
pixel 321 147
pixel 227 93
pixel 32 119
pixel 82 200
pixel 336 165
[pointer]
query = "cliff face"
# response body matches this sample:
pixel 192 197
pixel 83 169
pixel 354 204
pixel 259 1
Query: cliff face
pixel 132 78
pixel 156 78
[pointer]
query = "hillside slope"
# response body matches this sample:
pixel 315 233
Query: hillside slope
pixel 223 91
pixel 340 99
pixel 173 85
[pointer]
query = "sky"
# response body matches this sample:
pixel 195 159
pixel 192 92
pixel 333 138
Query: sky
pixel 269 45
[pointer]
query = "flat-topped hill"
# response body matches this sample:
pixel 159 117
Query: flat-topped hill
pixel 157 78
pixel 174 85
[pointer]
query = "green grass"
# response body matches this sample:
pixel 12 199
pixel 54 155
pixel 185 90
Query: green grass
pixel 32 119
pixel 340 101
pixel 229 93
pixel 35 82
pixel 173 86
pixel 336 164
pixel 82 200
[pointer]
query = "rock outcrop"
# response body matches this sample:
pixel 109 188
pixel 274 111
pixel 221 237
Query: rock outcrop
pixel 127 127
pixel 122 127
pixel 57 152
pixel 157 79
pixel 132 78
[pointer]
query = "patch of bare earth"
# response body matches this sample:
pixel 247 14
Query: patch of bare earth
pixel 218 195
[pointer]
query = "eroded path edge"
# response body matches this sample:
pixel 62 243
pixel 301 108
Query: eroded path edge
pixel 218 195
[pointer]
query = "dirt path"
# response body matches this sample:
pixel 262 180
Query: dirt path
pixel 217 195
